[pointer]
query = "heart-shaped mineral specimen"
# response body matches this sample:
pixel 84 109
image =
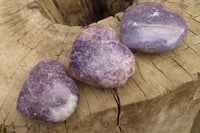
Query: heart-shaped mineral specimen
pixel 149 27
pixel 99 59
pixel 48 94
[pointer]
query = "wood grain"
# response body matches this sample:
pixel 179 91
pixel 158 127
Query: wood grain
pixel 81 12
pixel 163 96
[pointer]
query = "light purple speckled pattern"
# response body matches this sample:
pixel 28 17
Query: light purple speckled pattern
pixel 149 27
pixel 99 33
pixel 48 94
pixel 99 59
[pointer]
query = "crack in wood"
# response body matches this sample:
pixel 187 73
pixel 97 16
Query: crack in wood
pixel 118 18
pixel 160 71
pixel 65 123
pixel 139 72
pixel 192 49
pixel 59 54
pixel 140 88
pixel 192 31
pixel 49 10
pixel 195 20
pixel 181 67
pixel 163 75
pixel 117 100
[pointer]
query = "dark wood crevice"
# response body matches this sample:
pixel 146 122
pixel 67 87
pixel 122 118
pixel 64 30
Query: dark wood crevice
pixel 196 124
pixel 117 100
pixel 81 12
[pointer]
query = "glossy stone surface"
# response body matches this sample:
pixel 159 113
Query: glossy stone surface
pixel 99 59
pixel 149 27
pixel 48 94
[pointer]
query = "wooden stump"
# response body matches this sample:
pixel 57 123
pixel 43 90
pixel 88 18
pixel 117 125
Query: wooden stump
pixel 81 12
pixel 163 96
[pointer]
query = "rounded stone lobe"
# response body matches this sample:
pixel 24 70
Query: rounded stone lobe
pixel 149 27
pixel 98 33
pixel 48 94
pixel 99 59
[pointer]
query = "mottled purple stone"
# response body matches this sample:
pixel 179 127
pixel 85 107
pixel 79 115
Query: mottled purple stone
pixel 48 94
pixel 99 59
pixel 149 27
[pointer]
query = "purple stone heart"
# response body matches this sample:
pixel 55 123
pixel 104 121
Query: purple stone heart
pixel 99 59
pixel 48 94
pixel 149 27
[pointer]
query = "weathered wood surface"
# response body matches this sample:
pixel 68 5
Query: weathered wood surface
pixel 163 96
pixel 81 12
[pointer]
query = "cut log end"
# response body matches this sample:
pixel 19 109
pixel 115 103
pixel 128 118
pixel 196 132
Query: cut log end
pixel 162 96
pixel 81 12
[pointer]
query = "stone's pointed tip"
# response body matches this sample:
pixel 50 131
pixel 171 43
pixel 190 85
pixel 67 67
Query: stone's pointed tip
pixel 48 94
pixel 149 27
pixel 99 59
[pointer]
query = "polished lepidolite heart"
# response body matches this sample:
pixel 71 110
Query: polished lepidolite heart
pixel 149 27
pixel 48 94
pixel 99 59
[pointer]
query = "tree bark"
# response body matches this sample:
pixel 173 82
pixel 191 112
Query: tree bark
pixel 163 96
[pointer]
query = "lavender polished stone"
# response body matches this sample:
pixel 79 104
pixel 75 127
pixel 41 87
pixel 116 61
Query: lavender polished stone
pixel 99 59
pixel 149 27
pixel 48 94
